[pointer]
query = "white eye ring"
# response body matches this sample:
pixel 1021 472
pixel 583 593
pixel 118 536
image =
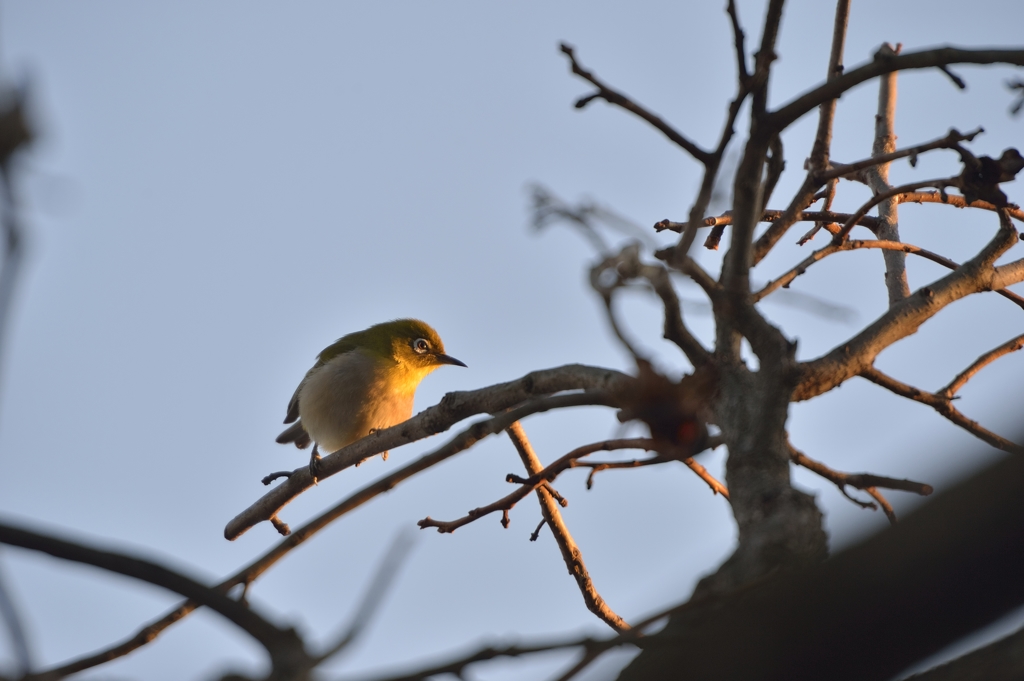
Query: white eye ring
pixel 420 345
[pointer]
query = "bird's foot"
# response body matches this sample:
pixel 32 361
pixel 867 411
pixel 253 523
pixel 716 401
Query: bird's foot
pixel 314 465
pixel 384 454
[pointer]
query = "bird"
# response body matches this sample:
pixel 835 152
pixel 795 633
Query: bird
pixel 361 383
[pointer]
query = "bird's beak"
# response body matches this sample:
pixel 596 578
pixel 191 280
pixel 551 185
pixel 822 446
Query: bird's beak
pixel 448 359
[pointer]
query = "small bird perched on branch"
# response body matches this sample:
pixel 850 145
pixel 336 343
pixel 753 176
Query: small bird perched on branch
pixel 361 383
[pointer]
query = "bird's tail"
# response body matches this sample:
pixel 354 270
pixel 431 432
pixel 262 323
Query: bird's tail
pixel 295 433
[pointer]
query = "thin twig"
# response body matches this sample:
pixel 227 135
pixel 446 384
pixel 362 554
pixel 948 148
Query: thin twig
pixel 567 462
pixel 877 176
pixel 1012 345
pixel 856 244
pixel 625 266
pixel 858 352
pixel 943 405
pixel 773 216
pixel 884 503
pixel 617 98
pixel 879 198
pixel 738 39
pixel 957 201
pixel 863 481
pixel 284 646
pixel 570 551
pixel 821 149
pixel 843 170
pixel 785 115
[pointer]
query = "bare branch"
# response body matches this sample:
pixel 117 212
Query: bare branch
pixel 957 80
pixel 845 170
pixel 774 216
pixel 957 201
pixel 887 194
pixel 783 117
pixel 598 466
pixel 570 551
pixel 786 279
pixel 943 405
pixel 702 473
pixel 884 503
pixel 458 665
pixel 627 265
pixel 536 480
pixel 858 353
pixel 284 646
pixel 617 98
pixel 864 481
pixel 738 38
pixel 852 245
pixel 1012 345
pixel 877 177
pixel 452 409
pixel 821 150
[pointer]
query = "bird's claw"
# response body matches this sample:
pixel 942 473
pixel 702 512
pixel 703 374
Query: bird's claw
pixel 314 465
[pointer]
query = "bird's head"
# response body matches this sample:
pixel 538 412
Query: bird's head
pixel 409 342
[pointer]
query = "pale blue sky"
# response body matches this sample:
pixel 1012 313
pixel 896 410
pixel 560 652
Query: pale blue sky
pixel 221 189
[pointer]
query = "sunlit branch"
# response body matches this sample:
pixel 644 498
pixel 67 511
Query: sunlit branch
pixel 903 319
pixel 534 481
pixel 943 405
pixel 880 197
pixel 957 201
pixel 862 481
pixel 453 408
pixel 1012 345
pixel 571 553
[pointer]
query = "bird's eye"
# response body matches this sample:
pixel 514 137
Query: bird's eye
pixel 420 345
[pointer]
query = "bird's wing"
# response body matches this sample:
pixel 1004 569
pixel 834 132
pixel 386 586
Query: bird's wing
pixel 338 347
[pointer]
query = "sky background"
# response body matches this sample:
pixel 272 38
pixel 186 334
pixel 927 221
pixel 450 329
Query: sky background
pixel 219 190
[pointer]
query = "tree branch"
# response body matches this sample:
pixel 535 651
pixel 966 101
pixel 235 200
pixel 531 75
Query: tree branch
pixel 957 201
pixel 877 177
pixel 627 265
pixel 864 481
pixel 570 551
pixel 297 537
pixel 617 98
pixel 888 194
pixel 1012 345
pixel 941 404
pixel 882 64
pixel 738 38
pixel 284 646
pixel 776 215
pixel 903 319
pixel 820 151
pixel 454 407
pixel 845 170
pixel 536 480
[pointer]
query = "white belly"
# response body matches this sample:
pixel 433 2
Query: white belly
pixel 347 398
